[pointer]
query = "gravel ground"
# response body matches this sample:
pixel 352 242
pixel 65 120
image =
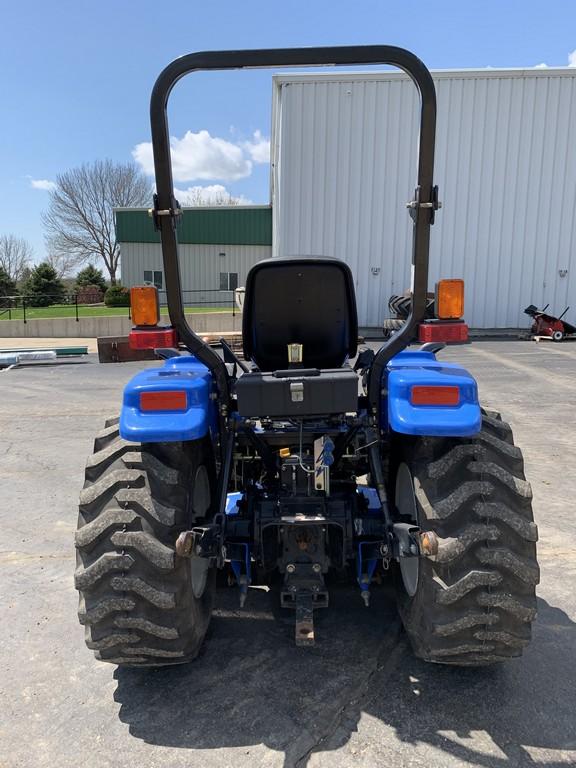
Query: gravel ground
pixel 358 698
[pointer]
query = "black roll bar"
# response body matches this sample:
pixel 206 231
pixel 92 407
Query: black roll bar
pixel 422 208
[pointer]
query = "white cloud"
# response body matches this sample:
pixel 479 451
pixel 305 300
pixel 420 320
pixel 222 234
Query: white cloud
pixel 258 148
pixel 543 65
pixel 572 59
pixel 44 184
pixel 199 156
pixel 213 194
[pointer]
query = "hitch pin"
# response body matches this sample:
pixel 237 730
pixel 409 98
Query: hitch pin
pixel 428 543
pixel 184 544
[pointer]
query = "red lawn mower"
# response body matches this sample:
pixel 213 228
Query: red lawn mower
pixel 548 325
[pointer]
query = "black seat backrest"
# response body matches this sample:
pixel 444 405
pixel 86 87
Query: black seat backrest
pixel 308 301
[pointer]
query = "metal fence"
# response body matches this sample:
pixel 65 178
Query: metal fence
pixel 21 307
pixel 213 297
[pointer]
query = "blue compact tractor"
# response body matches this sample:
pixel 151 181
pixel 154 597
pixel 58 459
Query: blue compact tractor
pixel 305 461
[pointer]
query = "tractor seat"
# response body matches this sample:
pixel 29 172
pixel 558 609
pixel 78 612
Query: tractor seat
pixel 304 301
pixel 307 301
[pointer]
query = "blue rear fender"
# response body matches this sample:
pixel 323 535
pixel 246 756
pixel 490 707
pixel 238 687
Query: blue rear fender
pixel 408 369
pixel 194 421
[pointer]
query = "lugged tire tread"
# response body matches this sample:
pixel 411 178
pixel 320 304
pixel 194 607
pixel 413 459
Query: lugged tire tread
pixel 159 555
pixel 518 522
pixel 458 650
pixel 156 652
pixel 401 304
pixel 135 593
pixel 450 460
pixel 465 622
pixel 110 451
pixel 492 421
pixel 128 661
pixel 110 561
pixel 496 443
pixel 140 500
pixel 503 559
pixel 110 641
pixel 158 597
pixel 142 460
pixel 496 473
pixel 104 608
pixel 476 659
pixel 473 579
pixel 110 518
pixel 107 484
pixel 505 602
pixel 460 497
pixel 505 638
pixel 135 622
pixel 478 599
pixel 453 548
pixel 106 435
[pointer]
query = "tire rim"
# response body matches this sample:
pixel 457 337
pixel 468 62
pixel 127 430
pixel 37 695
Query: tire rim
pixel 199 566
pixel 406 505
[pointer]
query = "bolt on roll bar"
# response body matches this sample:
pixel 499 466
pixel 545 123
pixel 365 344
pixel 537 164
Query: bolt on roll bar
pixel 421 209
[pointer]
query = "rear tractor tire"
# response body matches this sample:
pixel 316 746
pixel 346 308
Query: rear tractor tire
pixel 472 603
pixel 142 604
pixel 401 306
pixel 390 325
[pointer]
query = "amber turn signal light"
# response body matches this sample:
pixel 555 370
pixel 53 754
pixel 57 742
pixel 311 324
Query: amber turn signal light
pixel 164 400
pixel 144 305
pixel 450 299
pixel 421 395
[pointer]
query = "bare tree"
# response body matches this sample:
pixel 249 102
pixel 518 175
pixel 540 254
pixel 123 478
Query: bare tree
pixel 79 222
pixel 198 197
pixel 15 256
pixel 224 198
pixel 64 261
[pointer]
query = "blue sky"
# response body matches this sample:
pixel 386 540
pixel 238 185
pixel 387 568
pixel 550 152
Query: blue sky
pixel 76 78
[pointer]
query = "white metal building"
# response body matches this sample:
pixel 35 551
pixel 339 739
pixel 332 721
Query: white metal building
pixel 344 165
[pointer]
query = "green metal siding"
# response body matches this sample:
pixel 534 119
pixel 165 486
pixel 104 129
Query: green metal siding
pixel 211 226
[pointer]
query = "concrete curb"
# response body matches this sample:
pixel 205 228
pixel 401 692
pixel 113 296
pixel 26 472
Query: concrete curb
pixel 111 325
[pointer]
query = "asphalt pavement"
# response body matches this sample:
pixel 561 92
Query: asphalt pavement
pixel 358 698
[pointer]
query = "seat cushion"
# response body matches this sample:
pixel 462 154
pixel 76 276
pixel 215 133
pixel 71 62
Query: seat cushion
pixel 307 301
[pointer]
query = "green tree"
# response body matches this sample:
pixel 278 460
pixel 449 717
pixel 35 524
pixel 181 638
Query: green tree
pixel 26 272
pixel 44 287
pixel 117 296
pixel 7 285
pixel 91 276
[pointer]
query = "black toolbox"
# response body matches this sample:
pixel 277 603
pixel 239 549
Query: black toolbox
pixel 297 392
